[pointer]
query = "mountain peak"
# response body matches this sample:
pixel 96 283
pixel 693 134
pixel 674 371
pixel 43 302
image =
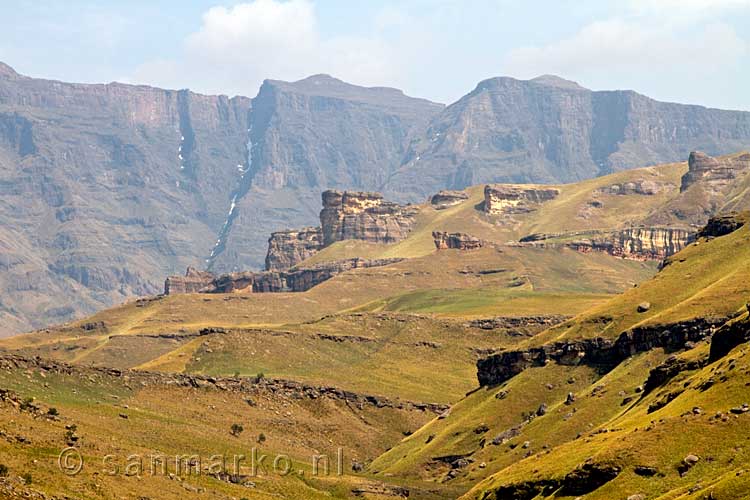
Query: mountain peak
pixel 6 70
pixel 556 81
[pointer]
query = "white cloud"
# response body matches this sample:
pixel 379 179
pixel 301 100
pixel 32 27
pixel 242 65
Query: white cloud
pixel 622 46
pixel 676 6
pixel 236 48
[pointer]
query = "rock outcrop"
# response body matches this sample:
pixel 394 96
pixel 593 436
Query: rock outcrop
pixel 193 282
pixel 288 248
pixel 510 199
pixel 249 385
pixel 714 174
pixel 292 280
pixel 639 186
pixel 448 198
pixel 600 352
pixel 722 225
pixel 457 241
pixel 350 215
pixel 346 215
pixel 636 243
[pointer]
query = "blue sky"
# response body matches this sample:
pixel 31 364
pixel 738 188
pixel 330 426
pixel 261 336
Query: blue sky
pixel 695 51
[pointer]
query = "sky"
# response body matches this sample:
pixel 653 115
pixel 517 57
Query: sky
pixel 690 51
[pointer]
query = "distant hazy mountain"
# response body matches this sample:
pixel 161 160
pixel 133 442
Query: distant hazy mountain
pixel 106 189
pixel 549 130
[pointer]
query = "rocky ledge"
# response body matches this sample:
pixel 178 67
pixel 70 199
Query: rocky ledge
pixel 510 199
pixel 722 225
pixel 635 243
pixel 11 362
pixel 600 352
pixel 713 173
pixel 445 199
pixel 292 280
pixel 458 241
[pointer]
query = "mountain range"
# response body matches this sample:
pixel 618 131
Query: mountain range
pixel 106 189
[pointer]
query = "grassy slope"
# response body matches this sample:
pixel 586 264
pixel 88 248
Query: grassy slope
pixel 707 279
pixel 703 280
pixel 185 421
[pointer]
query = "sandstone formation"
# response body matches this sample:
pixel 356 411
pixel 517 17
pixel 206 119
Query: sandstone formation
pixel 600 352
pixel 193 282
pixel 288 248
pixel 714 174
pixel 447 198
pixel 458 241
pixel 640 186
pixel 636 243
pixel 508 199
pixel 292 280
pixel 346 215
pixel 363 216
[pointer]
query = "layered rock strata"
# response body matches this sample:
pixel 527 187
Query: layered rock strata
pixel 457 241
pixel 512 199
pixel 447 198
pixel 288 248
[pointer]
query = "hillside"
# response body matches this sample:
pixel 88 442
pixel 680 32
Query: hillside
pixel 561 416
pixel 172 178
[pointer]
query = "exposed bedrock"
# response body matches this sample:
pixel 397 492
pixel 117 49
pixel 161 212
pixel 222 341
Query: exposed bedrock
pixel 288 248
pixel 599 352
pixel 635 243
pixel 510 199
pixel 457 241
pixel 447 198
pixel 293 280
pixel 713 173
pixel 350 215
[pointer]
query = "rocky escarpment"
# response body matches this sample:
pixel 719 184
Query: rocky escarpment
pixel 457 241
pixel 364 216
pixel 292 280
pixel 714 174
pixel 346 215
pixel 288 248
pixel 548 130
pixel 507 199
pixel 599 352
pixel 11 362
pixel 106 188
pixel 635 243
pixel 447 198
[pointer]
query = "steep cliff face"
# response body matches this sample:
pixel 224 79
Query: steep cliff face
pixel 599 352
pixel 364 216
pixel 308 136
pixel 288 248
pixel 636 243
pixel 508 199
pixel 106 187
pixel 548 130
